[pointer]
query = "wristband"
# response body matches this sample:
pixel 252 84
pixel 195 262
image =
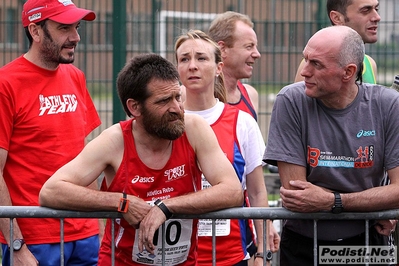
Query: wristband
pixel 258 255
pixel 269 255
pixel 163 208
pixel 123 204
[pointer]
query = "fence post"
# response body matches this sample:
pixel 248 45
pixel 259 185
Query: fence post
pixel 118 53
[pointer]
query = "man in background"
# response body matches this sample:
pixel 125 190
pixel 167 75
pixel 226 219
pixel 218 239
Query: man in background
pixel 363 17
pixel 238 42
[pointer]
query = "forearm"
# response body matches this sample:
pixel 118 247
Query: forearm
pixel 101 221
pixel 259 199
pixel 58 195
pixel 373 199
pixel 214 198
pixel 5 229
pixel 5 200
pixel 259 234
pixel 290 172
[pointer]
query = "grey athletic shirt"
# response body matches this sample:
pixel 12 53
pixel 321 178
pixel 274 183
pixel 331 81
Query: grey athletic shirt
pixel 343 150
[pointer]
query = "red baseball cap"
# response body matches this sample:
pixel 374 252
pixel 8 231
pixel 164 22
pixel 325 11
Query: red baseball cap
pixel 61 11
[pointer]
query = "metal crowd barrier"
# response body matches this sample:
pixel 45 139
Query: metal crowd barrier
pixel 274 213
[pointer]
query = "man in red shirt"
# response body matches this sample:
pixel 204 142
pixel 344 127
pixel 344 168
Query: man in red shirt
pixel 45 115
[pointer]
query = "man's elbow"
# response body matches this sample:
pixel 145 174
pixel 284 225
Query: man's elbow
pixel 240 198
pixel 44 197
pixel 237 197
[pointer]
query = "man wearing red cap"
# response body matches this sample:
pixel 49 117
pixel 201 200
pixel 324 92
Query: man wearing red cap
pixel 45 114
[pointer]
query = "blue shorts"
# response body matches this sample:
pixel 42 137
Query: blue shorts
pixel 82 252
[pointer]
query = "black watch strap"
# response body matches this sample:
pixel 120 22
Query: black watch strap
pixel 259 255
pixel 268 255
pixel 338 207
pixel 17 244
pixel 163 208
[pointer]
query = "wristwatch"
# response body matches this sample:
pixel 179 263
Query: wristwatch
pixel 268 255
pixel 17 244
pixel 163 208
pixel 337 207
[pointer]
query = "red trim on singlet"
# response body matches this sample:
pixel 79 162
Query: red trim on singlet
pixel 244 103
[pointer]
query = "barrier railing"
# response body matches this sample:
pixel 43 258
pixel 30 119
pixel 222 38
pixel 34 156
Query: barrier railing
pixel 274 213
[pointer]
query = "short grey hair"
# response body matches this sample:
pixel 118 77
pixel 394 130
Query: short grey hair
pixel 352 51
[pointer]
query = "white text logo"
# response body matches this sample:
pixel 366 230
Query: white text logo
pixel 56 104
pixel 142 179
pixel 357 255
pixel 35 16
pixel 175 173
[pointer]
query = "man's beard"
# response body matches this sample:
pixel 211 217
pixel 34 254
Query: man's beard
pixel 161 126
pixel 51 52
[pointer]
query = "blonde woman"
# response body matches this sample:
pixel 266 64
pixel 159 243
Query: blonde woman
pixel 199 64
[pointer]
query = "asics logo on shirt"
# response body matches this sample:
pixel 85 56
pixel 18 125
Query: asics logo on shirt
pixel 55 104
pixel 142 179
pixel 365 133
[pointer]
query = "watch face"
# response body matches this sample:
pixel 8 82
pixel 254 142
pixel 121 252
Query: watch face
pixel 269 255
pixel 17 244
pixel 337 209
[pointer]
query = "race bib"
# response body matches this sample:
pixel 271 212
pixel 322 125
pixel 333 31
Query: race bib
pixel 205 225
pixel 177 244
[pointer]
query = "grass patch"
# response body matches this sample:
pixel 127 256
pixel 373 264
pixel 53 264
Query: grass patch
pixel 263 88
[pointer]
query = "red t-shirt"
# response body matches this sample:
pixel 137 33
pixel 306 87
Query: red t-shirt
pixel 44 119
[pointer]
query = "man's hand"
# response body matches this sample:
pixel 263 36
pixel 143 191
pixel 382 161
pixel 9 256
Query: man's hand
pixel 138 209
pixel 151 222
pixel 24 257
pixel 306 197
pixel 274 238
pixel 385 227
pixel 259 262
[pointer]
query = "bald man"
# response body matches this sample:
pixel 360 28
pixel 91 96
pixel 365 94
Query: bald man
pixel 332 139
